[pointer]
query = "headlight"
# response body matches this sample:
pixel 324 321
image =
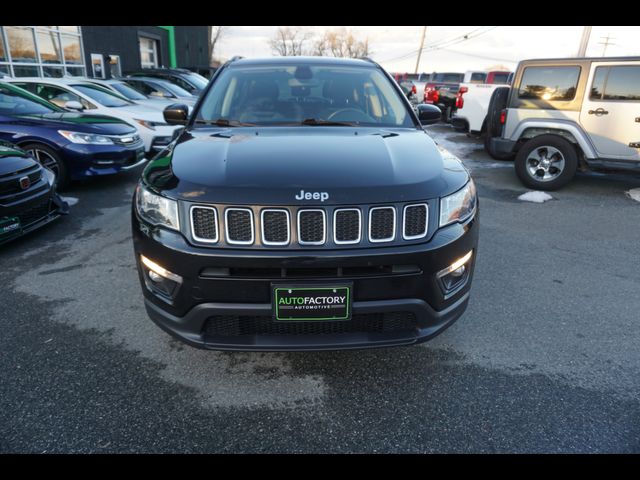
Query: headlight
pixel 86 138
pixel 458 206
pixel 149 124
pixel 157 210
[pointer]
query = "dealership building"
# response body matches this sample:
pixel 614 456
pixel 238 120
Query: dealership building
pixel 100 51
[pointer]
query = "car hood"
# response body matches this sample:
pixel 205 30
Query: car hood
pixel 271 166
pixel 80 122
pixel 13 160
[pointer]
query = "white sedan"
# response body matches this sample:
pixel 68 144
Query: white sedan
pixel 78 94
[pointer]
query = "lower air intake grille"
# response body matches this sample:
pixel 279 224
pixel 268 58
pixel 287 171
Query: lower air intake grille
pixel 35 213
pixel 239 224
pixel 205 224
pixel 311 227
pixel 234 325
pixel 415 221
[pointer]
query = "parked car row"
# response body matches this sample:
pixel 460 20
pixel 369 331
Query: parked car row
pixel 56 130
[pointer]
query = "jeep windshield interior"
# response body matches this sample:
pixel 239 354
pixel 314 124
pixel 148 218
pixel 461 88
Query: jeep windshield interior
pixel 304 94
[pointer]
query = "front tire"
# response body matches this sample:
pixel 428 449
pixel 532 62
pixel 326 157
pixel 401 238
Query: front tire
pixel 49 158
pixel 546 162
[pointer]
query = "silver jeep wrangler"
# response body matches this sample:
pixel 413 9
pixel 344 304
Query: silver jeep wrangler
pixel 565 114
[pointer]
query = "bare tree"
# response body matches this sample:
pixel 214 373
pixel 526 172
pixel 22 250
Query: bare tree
pixel 290 41
pixel 341 43
pixel 215 34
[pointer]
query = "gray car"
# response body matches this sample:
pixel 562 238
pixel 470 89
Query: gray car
pixel 155 87
pixel 126 90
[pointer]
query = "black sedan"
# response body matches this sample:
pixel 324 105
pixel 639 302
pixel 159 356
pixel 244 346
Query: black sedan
pixel 27 195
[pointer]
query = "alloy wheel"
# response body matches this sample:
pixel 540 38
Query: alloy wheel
pixel 545 163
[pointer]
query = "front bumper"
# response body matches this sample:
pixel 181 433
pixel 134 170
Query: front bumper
pixel 97 160
pixel 34 212
pixel 201 299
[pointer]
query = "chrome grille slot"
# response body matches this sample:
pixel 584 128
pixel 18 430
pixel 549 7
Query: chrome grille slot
pixel 312 226
pixel 347 226
pixel 415 221
pixel 382 224
pixel 276 226
pixel 204 224
pixel 238 223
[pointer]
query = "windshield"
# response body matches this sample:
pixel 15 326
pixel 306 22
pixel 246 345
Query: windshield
pixel 101 96
pixel 313 94
pixel 198 80
pixel 127 91
pixel 12 103
pixel 175 89
pixel 448 77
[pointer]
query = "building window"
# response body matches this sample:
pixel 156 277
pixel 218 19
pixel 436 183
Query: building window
pixel 97 65
pixel 148 52
pixel 48 51
pixel 114 66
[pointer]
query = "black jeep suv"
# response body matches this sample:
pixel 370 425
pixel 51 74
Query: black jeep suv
pixel 303 207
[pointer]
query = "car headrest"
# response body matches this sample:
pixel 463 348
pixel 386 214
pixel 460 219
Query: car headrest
pixel 339 91
pixel 264 88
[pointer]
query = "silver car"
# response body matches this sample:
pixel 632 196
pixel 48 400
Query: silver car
pixel 155 87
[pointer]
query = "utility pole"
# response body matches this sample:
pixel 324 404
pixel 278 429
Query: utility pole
pixel 584 41
pixel 606 43
pixel 424 31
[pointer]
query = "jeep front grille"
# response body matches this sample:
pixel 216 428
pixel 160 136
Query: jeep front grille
pixel 312 227
pixel 382 224
pixel 347 225
pixel 204 224
pixel 307 228
pixel 276 226
pixel 415 220
pixel 239 225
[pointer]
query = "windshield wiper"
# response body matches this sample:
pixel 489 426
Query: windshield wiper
pixel 223 122
pixel 316 121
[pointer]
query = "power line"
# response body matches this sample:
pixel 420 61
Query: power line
pixel 483 57
pixel 606 43
pixel 444 43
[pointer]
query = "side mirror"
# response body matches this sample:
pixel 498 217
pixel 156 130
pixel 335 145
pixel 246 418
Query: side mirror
pixel 428 114
pixel 176 114
pixel 73 105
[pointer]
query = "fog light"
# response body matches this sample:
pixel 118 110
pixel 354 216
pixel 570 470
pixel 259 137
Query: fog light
pixel 159 280
pixel 157 269
pixel 154 276
pixel 457 265
pixel 455 274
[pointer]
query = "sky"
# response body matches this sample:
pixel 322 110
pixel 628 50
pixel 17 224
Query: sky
pixel 395 48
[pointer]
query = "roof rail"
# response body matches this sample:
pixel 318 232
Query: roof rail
pixel 237 57
pixel 367 59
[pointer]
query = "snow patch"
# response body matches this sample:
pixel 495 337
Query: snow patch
pixel 70 200
pixel 633 194
pixel 535 196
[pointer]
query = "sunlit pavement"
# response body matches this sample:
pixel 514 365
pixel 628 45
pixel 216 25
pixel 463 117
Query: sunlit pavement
pixel 544 360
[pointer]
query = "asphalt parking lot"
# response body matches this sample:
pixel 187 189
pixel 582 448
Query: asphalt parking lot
pixel 545 359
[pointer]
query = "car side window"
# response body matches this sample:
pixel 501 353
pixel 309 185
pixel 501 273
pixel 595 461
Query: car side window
pixel 549 83
pixel 621 82
pixel 178 81
pixel 140 86
pixel 56 95
pixel 478 77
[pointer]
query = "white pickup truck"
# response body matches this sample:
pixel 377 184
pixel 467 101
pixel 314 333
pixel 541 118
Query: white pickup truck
pixel 472 103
